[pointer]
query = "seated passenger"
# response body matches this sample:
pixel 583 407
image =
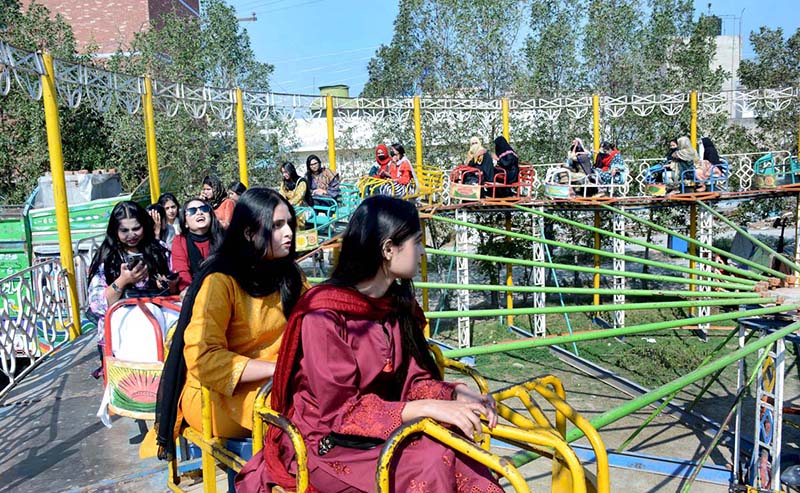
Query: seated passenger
pixel 382 160
pixel 130 262
pixel 321 181
pixel 295 190
pixel 399 172
pixel 355 365
pixel 235 190
pixel 609 165
pixel 171 206
pixel 159 216
pixel 231 322
pixel 215 194
pixel 684 158
pixel 508 161
pixel 708 166
pixel 200 233
pixel 579 159
pixel 478 157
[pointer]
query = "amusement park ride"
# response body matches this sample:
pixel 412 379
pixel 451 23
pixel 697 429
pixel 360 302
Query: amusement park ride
pixel 41 302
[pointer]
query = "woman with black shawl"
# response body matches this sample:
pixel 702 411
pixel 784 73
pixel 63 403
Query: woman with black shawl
pixel 507 160
pixel 231 322
pixel 214 193
pixel 200 233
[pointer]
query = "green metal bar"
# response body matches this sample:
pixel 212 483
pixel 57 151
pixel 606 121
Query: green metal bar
pixel 606 333
pixel 593 251
pixel 743 284
pixel 716 375
pixel 693 241
pixel 782 258
pixel 566 290
pixel 724 425
pixel 613 415
pixel 672 396
pixel 501 312
pixel 742 272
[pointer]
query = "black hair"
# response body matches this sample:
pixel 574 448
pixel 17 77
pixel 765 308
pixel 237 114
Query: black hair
pixel 168 197
pixel 237 187
pixel 399 149
pixel 215 183
pixel 242 253
pixel 162 213
pixel 294 179
pixel 112 253
pixel 215 229
pixel 380 218
pixel 310 158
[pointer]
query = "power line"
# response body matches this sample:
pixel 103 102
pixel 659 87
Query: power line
pixel 312 57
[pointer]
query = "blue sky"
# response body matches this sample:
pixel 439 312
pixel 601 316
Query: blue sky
pixel 323 42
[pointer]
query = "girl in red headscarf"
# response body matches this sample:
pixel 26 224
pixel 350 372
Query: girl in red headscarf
pixel 354 365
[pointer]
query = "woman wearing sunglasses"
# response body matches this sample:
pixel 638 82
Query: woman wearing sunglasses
pixel 200 233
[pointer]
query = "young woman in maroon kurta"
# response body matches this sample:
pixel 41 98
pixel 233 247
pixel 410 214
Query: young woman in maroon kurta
pixel 354 362
pixel 200 232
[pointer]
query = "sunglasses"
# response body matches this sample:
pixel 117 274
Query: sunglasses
pixel 314 163
pixel 201 208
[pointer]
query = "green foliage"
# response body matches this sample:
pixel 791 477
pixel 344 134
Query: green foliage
pixel 776 64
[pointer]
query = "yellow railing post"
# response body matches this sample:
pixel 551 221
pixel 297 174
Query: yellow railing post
pixel 331 134
pixel 596 283
pixel 596 122
pixel 59 189
pixel 509 276
pixel 241 141
pixel 424 269
pixel 693 125
pixel 504 110
pixel 150 140
pixel 417 131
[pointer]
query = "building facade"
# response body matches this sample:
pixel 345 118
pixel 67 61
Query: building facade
pixel 111 24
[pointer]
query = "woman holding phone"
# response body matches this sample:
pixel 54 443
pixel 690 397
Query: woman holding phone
pixel 130 262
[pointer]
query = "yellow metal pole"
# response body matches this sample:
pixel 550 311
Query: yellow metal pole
pixel 60 189
pixel 693 125
pixel 424 270
pixel 417 131
pixel 241 142
pixel 504 107
pixel 207 461
pixel 331 135
pixel 596 121
pixel 509 276
pixel 150 140
pixel 596 283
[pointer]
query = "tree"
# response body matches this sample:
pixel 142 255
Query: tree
pixel 215 52
pixel 23 141
pixel 776 65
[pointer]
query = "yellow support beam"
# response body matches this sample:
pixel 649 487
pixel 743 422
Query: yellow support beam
pixel 509 276
pixel 596 122
pixel 329 110
pixel 60 189
pixel 596 282
pixel 424 273
pixel 693 124
pixel 209 466
pixel 417 131
pixel 504 109
pixel 150 140
pixel 241 141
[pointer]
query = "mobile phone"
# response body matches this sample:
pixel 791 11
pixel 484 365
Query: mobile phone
pixel 133 260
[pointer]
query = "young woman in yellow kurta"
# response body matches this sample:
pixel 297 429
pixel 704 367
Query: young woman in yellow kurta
pixel 232 320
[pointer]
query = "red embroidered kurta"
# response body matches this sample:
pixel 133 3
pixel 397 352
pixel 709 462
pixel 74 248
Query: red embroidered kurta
pixel 348 383
pixel 180 259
